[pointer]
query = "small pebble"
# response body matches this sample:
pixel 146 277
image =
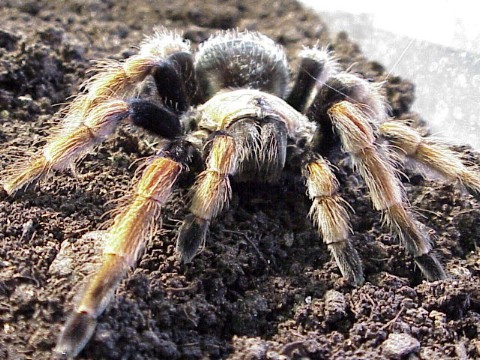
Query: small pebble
pixel 335 306
pixel 399 345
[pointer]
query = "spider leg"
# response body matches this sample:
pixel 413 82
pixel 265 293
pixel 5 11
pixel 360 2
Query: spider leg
pixel 210 194
pixel 158 120
pixel 386 191
pixel 70 144
pixel 163 52
pixel 132 227
pixel 94 114
pixel 433 154
pixel 316 66
pixel 329 214
pixel 353 107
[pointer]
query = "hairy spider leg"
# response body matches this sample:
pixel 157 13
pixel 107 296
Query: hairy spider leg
pixel 249 130
pixel 125 239
pixel 94 114
pixel 317 65
pixel 119 78
pixel 67 145
pixel 90 119
pixel 432 153
pixel 158 120
pixel 328 212
pixel 210 194
pixel 353 106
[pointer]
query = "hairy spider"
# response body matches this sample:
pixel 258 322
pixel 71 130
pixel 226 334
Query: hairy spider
pixel 230 104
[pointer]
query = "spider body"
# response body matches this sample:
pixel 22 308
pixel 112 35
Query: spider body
pixel 229 111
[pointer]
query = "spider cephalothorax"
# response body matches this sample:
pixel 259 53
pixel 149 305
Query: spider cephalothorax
pixel 231 104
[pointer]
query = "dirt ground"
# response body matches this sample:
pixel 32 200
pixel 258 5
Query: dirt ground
pixel 265 286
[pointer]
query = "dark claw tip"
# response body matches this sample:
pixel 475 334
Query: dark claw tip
pixel 192 234
pixel 78 330
pixel 431 267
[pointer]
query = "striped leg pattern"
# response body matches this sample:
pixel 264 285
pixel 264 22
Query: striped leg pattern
pixel 106 100
pixel 131 229
pixel 328 212
pixel 433 154
pixel 357 137
pixel 210 194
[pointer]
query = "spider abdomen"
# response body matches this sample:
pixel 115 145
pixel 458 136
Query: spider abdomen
pixel 245 60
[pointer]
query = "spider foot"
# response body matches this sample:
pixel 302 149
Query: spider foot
pixel 77 332
pixel 430 267
pixel 348 262
pixel 192 234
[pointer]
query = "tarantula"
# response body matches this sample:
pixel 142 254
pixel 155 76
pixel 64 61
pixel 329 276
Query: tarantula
pixel 231 104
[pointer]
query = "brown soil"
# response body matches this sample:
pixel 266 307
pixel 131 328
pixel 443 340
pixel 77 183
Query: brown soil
pixel 265 286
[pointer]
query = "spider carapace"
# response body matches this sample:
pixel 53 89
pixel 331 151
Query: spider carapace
pixel 231 104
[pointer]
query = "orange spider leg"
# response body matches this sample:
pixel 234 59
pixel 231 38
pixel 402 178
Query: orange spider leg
pixel 386 191
pixel 68 145
pixel 131 228
pixel 329 214
pixel 432 153
pixel 210 194
pixel 94 114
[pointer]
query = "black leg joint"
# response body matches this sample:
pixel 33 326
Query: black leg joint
pixel 334 91
pixel 175 81
pixel 156 119
pixel 325 139
pixel 181 151
pixel 307 77
pixel 183 62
